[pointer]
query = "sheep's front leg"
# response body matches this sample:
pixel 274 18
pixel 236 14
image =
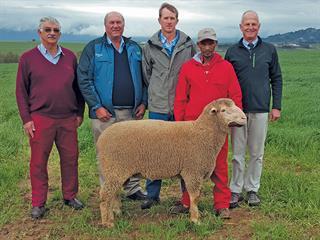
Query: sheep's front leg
pixel 194 212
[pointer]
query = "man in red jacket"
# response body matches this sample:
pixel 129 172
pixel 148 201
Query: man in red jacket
pixel 51 108
pixel 204 78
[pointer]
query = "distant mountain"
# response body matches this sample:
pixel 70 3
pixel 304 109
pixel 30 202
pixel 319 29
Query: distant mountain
pixel 10 35
pixel 29 35
pixel 306 36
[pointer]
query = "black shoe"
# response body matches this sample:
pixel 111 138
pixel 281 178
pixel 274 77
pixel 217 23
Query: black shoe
pixel 74 203
pixel 253 199
pixel 178 208
pixel 138 195
pixel 236 198
pixel 149 203
pixel 38 212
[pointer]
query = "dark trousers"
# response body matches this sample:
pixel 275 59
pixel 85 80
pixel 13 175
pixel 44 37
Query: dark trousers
pixel 153 187
pixel 62 132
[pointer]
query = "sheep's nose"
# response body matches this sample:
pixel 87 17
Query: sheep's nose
pixel 244 118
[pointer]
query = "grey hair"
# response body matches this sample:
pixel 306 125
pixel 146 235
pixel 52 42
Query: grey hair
pixel 249 11
pixel 111 13
pixel 50 20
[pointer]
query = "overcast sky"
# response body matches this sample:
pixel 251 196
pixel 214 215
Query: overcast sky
pixel 86 17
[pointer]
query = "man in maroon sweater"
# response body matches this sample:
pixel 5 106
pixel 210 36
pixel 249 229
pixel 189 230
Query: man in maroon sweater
pixel 51 108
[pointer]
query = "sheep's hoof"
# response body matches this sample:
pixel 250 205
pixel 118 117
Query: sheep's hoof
pixel 117 211
pixel 195 221
pixel 107 224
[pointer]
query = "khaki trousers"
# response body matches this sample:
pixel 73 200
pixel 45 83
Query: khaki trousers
pixel 253 136
pixel 131 186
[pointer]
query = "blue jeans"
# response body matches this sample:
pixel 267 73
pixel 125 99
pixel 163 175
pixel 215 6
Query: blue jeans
pixel 153 187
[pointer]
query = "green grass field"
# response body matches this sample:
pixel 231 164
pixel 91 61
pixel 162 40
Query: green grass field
pixel 290 188
pixel 19 47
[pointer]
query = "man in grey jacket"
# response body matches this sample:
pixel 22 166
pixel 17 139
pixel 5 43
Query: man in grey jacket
pixel 163 55
pixel 258 71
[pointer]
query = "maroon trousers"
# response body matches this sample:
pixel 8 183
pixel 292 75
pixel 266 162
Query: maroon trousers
pixel 62 132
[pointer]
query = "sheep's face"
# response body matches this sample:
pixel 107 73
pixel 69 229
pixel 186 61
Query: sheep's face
pixel 228 112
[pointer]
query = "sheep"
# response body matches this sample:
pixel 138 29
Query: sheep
pixel 158 149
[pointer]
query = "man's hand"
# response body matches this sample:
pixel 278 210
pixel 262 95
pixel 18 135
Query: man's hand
pixel 274 115
pixel 140 111
pixel 79 121
pixel 103 115
pixel 29 129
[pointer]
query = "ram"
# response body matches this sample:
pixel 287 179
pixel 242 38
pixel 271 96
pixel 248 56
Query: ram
pixel 157 149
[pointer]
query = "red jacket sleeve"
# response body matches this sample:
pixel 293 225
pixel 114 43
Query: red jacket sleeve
pixel 182 95
pixel 234 91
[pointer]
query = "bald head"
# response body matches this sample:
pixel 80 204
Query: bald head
pixel 114 26
pixel 111 14
pixel 249 14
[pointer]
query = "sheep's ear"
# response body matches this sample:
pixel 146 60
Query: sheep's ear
pixel 213 110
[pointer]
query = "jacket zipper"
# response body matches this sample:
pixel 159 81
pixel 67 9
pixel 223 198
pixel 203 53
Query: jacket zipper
pixel 253 58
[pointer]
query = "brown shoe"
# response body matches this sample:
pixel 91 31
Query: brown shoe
pixel 223 213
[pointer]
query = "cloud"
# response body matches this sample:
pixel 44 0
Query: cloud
pixel 84 17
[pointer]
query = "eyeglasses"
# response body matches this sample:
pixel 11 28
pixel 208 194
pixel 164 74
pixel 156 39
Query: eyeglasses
pixel 49 30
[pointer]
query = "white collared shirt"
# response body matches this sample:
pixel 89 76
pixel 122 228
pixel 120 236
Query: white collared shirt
pixel 121 44
pixel 48 56
pixel 245 43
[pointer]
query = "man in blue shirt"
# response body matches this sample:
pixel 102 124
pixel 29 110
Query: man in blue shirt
pixel 163 55
pixel 257 67
pixel 110 79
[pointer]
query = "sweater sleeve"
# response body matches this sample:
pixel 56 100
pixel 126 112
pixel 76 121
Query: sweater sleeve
pixel 78 94
pixel 22 86
pixel 182 95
